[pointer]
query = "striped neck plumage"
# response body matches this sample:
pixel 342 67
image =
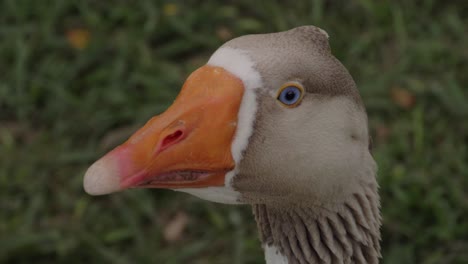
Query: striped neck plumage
pixel 305 235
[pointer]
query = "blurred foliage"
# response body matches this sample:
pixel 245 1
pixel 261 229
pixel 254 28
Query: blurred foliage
pixel 76 77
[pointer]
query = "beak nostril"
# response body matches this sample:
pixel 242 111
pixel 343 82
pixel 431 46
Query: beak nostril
pixel 171 139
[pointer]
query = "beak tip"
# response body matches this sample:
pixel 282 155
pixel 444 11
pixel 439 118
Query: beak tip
pixel 101 178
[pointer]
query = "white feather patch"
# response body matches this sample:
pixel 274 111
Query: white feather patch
pixel 273 256
pixel 225 195
pixel 238 62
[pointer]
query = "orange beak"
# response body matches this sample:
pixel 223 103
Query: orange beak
pixel 188 146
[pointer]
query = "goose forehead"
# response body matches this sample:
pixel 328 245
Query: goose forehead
pixel 302 54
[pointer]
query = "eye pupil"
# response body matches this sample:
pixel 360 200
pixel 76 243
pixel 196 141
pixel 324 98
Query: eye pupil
pixel 290 95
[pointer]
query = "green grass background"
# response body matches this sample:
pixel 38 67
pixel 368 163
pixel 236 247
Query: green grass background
pixel 61 108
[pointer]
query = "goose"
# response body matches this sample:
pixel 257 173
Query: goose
pixel 274 121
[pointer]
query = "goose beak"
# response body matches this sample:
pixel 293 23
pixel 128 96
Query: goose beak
pixel 188 146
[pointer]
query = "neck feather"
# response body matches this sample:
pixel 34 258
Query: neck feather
pixel 348 234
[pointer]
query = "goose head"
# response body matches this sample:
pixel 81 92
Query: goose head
pixel 272 120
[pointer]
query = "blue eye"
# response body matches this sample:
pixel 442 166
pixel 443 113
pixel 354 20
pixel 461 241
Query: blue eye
pixel 290 95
